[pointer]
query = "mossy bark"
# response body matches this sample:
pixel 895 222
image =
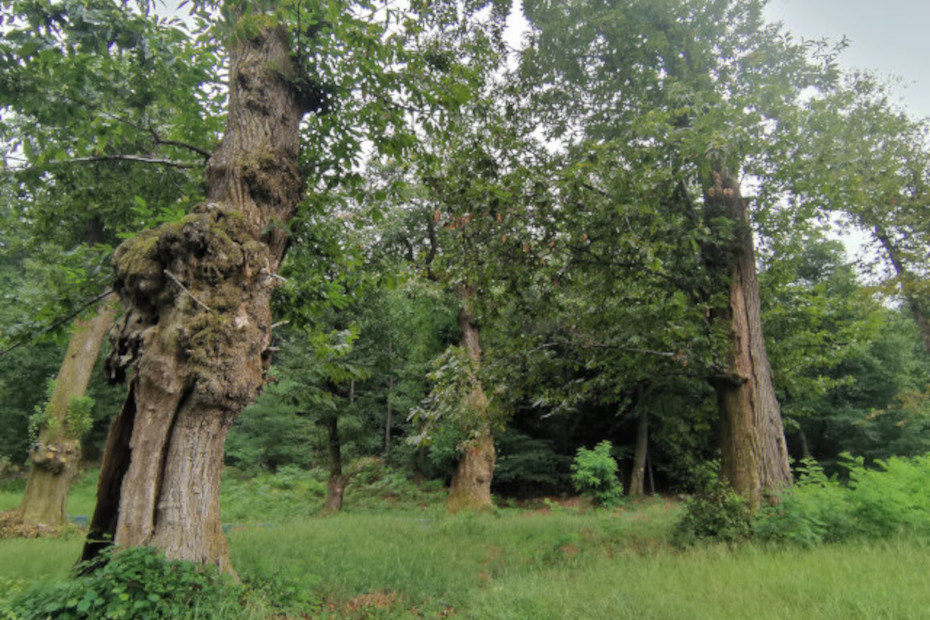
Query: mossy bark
pixel 471 483
pixel 197 328
pixel 754 458
pixel 57 453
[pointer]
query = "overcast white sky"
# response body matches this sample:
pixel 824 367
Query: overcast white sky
pixel 889 36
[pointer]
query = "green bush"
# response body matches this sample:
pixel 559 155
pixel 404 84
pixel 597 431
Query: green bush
pixel 135 583
pixel 594 473
pixel 714 514
pixel 876 503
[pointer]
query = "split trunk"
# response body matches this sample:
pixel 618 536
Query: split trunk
pixel 197 326
pixel 754 458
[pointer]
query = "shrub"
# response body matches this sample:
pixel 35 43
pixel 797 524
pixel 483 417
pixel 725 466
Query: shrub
pixel 876 503
pixel 714 514
pixel 594 473
pixel 815 510
pixel 135 583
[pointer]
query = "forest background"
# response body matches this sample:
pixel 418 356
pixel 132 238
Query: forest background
pixel 501 256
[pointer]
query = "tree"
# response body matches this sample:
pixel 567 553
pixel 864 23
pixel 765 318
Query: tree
pixel 686 94
pixel 861 158
pixel 71 114
pixel 197 324
pixel 56 455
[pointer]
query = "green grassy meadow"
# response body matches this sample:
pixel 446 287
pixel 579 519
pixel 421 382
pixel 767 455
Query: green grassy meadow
pixel 397 555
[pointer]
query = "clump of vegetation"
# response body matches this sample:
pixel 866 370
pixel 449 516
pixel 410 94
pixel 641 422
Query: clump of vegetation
pixel 714 514
pixel 873 504
pixel 594 473
pixel 135 583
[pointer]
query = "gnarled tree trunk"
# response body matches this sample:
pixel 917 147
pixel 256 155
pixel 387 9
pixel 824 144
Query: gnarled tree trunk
pixel 57 453
pixel 471 482
pixel 754 457
pixel 198 321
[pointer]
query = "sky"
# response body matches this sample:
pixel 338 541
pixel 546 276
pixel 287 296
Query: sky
pixel 887 36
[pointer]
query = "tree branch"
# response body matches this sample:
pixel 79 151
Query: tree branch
pixel 184 145
pixel 59 322
pixel 142 159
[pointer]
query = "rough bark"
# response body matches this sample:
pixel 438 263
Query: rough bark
pixel 197 326
pixel 638 475
pixel 57 453
pixel 754 458
pixel 906 280
pixel 471 482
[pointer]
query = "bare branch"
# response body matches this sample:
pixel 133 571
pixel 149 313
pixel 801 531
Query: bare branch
pixel 142 159
pixel 184 145
pixel 59 322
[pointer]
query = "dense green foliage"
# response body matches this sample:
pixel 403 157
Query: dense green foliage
pixel 869 504
pixel 594 473
pixel 555 198
pixel 135 583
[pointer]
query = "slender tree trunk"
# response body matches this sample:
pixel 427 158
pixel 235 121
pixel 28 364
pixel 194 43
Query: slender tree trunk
pixel 198 321
pixel 906 280
pixel 338 481
pixel 471 482
pixel 389 421
pixel 754 455
pixel 637 477
pixel 57 454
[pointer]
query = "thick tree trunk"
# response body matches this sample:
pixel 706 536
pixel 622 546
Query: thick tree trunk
pixel 907 290
pixel 471 482
pixel 198 321
pixel 57 454
pixel 638 476
pixel 754 458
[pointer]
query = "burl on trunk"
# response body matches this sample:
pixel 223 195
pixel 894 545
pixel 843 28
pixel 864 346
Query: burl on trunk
pixel 197 325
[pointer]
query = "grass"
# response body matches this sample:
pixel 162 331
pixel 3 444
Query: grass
pixel 398 557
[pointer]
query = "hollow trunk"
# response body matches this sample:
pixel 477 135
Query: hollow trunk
pixel 338 481
pixel 198 321
pixel 471 482
pixel 637 477
pixel 754 458
pixel 57 453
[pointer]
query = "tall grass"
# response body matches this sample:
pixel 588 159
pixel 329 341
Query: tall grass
pixel 591 565
pixel 401 556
